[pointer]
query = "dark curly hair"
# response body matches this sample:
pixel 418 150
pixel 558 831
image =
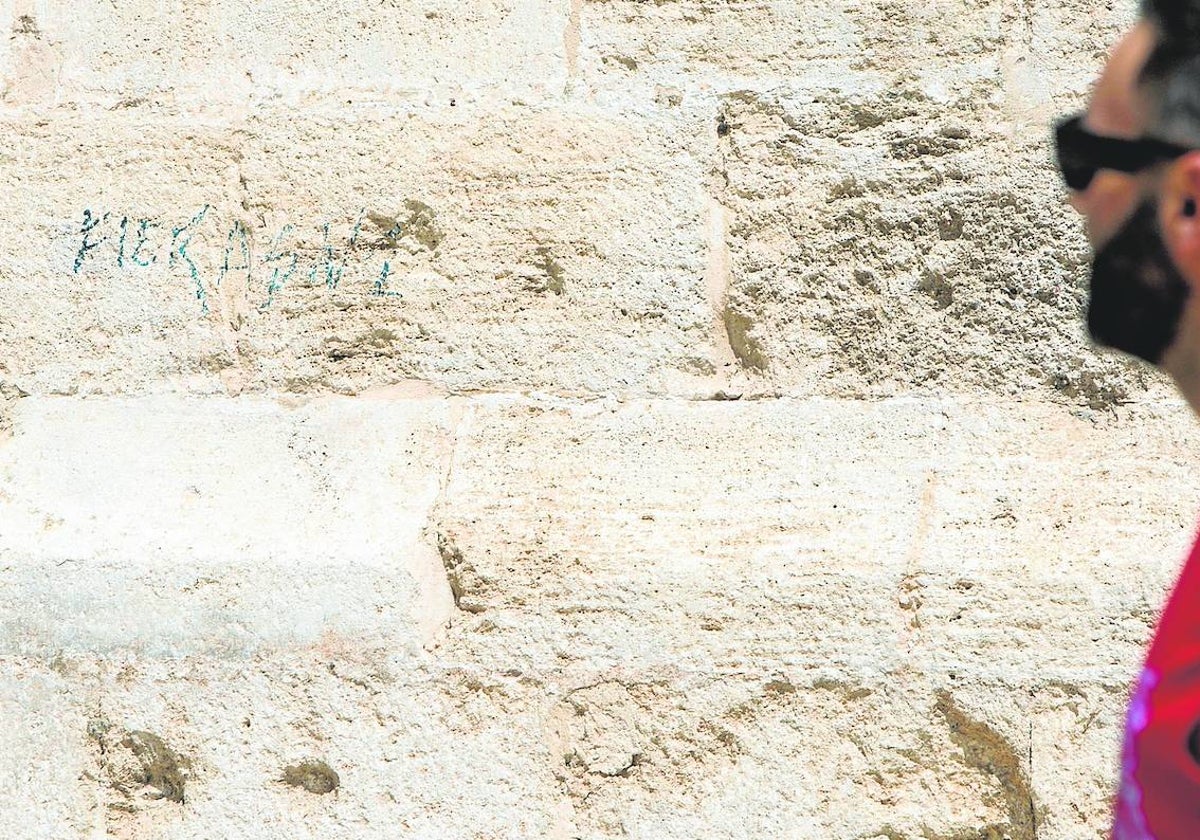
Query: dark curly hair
pixel 1176 19
pixel 1172 72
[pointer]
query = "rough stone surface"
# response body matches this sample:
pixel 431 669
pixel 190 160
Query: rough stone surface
pixel 572 419
pixel 472 250
pixel 899 231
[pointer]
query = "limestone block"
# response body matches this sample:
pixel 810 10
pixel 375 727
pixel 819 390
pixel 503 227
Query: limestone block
pixel 860 536
pixel 972 583
pixel 391 748
pixel 520 248
pixel 891 241
pixel 783 757
pixel 633 50
pixel 168 527
pixel 172 53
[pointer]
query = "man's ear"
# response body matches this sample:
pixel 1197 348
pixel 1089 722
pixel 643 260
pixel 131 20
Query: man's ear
pixel 1179 216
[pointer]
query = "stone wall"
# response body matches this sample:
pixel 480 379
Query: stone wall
pixel 564 419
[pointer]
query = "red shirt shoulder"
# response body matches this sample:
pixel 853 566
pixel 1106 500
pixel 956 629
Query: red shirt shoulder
pixel 1159 793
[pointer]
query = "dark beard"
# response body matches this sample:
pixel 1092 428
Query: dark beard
pixel 1137 293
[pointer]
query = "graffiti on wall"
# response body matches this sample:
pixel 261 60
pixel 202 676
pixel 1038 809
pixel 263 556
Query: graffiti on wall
pixel 132 243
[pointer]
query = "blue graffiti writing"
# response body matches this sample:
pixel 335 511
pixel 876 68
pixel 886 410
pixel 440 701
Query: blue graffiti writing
pixel 136 246
pixel 179 250
pixel 90 223
pixel 279 276
pixel 135 256
pixel 380 288
pixel 333 268
pixel 144 226
pixel 238 238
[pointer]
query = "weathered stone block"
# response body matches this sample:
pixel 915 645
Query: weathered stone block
pixel 91 742
pixel 866 537
pixel 893 242
pixel 631 50
pixel 513 249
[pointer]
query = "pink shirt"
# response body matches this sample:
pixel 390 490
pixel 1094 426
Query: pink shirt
pixel 1159 796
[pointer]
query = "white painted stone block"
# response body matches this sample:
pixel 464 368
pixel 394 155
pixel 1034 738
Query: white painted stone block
pixel 169 527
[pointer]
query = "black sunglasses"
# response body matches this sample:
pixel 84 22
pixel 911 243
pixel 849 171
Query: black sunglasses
pixel 1080 152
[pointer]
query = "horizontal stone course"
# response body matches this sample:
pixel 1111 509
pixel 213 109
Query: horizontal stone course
pixel 654 754
pixel 703 535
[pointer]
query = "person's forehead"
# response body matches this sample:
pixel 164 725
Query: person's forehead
pixel 1118 107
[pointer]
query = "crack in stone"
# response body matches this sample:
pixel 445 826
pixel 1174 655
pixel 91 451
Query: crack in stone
pixel 987 750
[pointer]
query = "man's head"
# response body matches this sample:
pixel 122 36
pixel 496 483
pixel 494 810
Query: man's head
pixel 1140 203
